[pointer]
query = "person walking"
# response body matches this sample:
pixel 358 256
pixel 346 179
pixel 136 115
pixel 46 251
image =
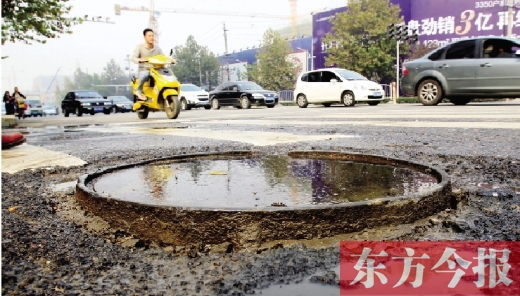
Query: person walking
pixel 9 103
pixel 20 102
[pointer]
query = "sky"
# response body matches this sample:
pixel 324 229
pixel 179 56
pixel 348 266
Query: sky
pixel 93 44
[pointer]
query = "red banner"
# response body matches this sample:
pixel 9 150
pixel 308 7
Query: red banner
pixel 430 268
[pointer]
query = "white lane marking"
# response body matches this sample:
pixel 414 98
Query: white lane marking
pixel 27 156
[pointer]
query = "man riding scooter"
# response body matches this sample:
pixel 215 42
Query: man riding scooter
pixel 141 52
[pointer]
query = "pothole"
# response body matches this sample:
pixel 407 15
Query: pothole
pixel 245 199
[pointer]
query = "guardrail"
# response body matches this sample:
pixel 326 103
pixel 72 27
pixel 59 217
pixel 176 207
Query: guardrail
pixel 288 94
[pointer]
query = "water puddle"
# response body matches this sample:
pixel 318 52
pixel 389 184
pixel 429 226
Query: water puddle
pixel 269 181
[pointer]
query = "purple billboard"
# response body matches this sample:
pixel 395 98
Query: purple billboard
pixel 438 22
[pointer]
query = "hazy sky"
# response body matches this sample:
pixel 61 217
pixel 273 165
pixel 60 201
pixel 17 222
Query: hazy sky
pixel 92 44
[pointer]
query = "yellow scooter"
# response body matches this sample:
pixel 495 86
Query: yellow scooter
pixel 161 90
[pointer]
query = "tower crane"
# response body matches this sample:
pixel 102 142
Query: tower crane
pixel 154 14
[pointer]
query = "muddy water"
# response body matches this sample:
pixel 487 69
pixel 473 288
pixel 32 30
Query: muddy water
pixel 259 182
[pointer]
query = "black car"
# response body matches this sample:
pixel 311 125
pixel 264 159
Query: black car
pixel 85 101
pixel 121 103
pixel 242 94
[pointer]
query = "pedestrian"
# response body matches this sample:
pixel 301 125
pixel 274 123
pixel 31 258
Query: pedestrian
pixel 9 103
pixel 20 102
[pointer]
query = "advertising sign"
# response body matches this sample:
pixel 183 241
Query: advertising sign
pixel 438 22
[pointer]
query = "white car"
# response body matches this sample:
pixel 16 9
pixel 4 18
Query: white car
pixel 192 96
pixel 335 85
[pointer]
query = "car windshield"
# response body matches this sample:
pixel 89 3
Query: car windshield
pixel 249 85
pixel 88 94
pixel 190 87
pixel 33 102
pixel 350 75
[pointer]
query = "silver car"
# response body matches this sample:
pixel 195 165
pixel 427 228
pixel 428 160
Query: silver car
pixel 483 67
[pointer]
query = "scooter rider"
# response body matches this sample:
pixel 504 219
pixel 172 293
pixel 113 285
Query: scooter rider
pixel 141 52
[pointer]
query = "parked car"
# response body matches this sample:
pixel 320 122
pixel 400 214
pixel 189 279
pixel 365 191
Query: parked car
pixel 85 101
pixel 482 67
pixel 336 85
pixel 242 94
pixel 193 96
pixel 50 110
pixel 121 103
pixel 34 108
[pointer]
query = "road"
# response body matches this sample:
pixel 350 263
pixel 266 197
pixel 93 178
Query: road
pixel 473 115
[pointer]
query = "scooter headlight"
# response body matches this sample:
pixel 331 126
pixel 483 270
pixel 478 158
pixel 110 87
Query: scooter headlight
pixel 170 78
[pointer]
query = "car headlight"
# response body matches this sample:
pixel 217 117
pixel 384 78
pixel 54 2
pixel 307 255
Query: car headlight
pixel 258 96
pixel 358 86
pixel 85 104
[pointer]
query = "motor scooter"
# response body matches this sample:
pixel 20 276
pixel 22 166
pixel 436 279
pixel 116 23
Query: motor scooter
pixel 161 90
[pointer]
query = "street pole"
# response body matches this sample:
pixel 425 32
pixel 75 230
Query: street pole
pixel 200 74
pixel 397 71
pixel 510 19
pixel 227 54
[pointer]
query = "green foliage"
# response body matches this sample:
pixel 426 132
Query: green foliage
pixel 195 63
pixel 114 74
pixel 273 70
pixel 359 41
pixel 35 20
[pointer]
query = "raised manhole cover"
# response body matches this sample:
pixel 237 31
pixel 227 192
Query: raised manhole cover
pixel 245 200
pixel 261 181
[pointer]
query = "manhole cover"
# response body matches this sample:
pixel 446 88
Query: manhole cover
pixel 244 199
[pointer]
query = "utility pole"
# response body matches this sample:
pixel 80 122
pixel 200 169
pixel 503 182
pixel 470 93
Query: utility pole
pixel 510 19
pixel 128 66
pixel 227 54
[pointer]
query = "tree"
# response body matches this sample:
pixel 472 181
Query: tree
pixel 35 20
pixel 421 50
pixel 113 74
pixel 273 69
pixel 359 41
pixel 195 63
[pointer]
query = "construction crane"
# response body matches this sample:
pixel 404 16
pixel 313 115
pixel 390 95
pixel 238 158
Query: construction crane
pixel 154 14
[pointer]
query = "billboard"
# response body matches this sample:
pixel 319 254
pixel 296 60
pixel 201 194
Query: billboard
pixel 438 22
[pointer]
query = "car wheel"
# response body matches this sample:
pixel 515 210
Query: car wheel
pixel 65 112
pixel 348 99
pixel 207 107
pixel 373 103
pixel 430 93
pixel 184 104
pixel 270 106
pixel 79 112
pixel 214 104
pixel 301 101
pixel 327 104
pixel 460 101
pixel 244 102
pixel 107 111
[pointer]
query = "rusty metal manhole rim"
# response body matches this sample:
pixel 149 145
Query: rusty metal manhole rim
pixel 442 177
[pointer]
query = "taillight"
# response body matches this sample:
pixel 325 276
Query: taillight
pixel 405 71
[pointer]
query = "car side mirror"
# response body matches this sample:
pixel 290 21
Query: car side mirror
pixel 333 80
